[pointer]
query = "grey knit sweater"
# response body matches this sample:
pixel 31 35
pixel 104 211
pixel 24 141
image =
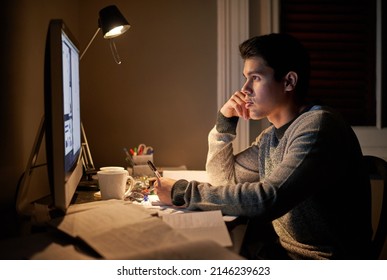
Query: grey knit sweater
pixel 306 177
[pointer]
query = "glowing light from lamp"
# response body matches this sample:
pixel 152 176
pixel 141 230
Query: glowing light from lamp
pixel 114 32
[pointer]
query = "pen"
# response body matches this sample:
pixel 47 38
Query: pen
pixel 128 157
pixel 126 152
pixel 153 167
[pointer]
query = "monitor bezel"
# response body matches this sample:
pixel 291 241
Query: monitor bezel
pixel 62 184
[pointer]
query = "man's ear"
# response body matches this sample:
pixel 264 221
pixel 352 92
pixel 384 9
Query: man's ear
pixel 291 81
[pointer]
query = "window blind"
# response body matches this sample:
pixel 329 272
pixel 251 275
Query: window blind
pixel 340 36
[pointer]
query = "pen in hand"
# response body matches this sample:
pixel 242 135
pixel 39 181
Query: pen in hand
pixel 153 168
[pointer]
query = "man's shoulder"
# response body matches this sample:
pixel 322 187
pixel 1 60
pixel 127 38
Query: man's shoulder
pixel 319 113
pixel 320 119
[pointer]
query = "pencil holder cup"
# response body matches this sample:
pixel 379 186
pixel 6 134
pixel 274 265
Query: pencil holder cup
pixel 141 167
pixel 142 159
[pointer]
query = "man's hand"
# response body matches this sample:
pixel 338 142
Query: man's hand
pixel 163 187
pixel 236 106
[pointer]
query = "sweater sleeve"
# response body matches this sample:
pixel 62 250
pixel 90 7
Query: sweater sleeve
pixel 222 166
pixel 178 191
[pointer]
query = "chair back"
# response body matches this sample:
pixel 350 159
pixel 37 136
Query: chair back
pixel 377 169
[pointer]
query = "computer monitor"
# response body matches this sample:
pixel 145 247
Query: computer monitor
pixel 62 114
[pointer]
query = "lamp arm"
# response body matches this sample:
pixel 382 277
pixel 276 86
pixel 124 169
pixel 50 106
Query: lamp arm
pixel 113 48
pixel 88 45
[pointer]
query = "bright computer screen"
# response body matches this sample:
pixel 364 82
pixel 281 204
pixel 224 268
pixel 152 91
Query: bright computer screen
pixel 71 109
pixel 62 114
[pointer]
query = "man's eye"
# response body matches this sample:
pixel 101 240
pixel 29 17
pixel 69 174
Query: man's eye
pixel 256 78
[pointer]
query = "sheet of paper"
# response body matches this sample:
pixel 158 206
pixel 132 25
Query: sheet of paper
pixel 201 225
pixel 189 175
pixel 153 200
pixel 130 241
pixel 99 218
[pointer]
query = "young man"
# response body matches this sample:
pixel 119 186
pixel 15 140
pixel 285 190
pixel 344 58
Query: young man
pixel 304 173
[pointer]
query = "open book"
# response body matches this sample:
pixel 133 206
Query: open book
pixel 122 230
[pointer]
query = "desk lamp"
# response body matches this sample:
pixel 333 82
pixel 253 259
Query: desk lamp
pixel 113 24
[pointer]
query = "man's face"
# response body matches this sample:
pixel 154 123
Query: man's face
pixel 264 95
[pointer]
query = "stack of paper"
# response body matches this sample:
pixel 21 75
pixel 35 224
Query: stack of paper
pixel 201 225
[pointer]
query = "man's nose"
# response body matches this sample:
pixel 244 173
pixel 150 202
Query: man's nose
pixel 247 91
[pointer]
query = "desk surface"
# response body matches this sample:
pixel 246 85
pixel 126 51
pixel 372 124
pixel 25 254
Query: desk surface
pixel 85 196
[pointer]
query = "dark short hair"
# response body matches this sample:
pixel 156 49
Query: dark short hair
pixel 283 53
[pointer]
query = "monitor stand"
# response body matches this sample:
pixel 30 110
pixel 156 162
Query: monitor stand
pixel 89 182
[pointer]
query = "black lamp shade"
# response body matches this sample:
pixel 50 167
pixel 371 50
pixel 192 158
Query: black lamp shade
pixel 109 18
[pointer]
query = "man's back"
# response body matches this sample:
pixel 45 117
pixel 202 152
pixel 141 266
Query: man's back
pixel 332 218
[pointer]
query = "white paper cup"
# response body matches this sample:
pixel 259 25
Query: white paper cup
pixel 111 168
